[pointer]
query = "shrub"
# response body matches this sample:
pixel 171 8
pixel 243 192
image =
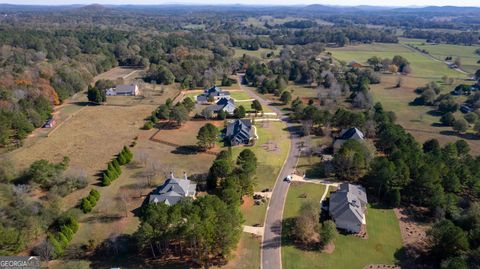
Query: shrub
pixel 148 125
pixel 85 205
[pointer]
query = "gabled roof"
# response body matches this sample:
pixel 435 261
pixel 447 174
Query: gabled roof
pixel 239 131
pixel 347 204
pixel 173 190
pixel 225 101
pixel 351 133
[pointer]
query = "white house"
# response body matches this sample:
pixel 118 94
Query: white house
pixel 126 90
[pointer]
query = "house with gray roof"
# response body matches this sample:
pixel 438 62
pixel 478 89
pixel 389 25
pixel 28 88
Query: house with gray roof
pixel 224 104
pixel 214 92
pixel 347 207
pixel 173 190
pixel 239 132
pixel 345 135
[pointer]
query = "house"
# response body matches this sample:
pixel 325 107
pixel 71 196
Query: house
pixel 239 132
pixel 347 207
pixel 126 90
pixel 347 134
pixel 50 123
pixel 173 190
pixel 214 92
pixel 227 105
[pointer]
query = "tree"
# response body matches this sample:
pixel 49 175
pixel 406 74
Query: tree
pixel 219 170
pixel 96 95
pixel 247 161
pixel 307 223
pixel 239 112
pixel 460 125
pixel 45 251
pixel 221 115
pixel 256 106
pixel 207 136
pixel 286 97
pixel 476 127
pixel 447 119
pixel 179 114
pixel 447 239
pixel 188 103
pixel 328 232
pixel 352 160
pixel 471 117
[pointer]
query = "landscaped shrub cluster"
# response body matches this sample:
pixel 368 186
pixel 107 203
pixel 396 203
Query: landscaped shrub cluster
pixel 113 170
pixel 61 233
pixel 89 202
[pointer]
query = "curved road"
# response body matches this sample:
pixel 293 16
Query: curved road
pixel 271 240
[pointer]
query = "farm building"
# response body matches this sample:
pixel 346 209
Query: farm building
pixel 239 132
pixel 347 207
pixel 173 190
pixel 214 92
pixel 125 90
pixel 347 134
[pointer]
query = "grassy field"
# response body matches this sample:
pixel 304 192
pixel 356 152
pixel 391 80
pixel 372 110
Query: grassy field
pixel 466 53
pixel 260 53
pixel 350 252
pixel 418 120
pixel 248 253
pixel 271 150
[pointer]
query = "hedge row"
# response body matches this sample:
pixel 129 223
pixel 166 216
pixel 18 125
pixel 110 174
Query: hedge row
pixel 62 233
pixel 113 170
pixel 89 202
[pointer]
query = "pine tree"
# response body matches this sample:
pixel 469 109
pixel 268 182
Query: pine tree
pixel 106 180
pixel 116 165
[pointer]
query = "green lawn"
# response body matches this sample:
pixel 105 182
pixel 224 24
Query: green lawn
pixel 248 254
pixel 254 215
pixel 466 53
pixel 350 252
pixel 422 65
pixel 294 201
pixel 255 53
pixel 270 161
pixel 240 95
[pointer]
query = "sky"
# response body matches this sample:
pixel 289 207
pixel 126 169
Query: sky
pixel 259 2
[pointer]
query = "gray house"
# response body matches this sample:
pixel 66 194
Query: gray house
pixel 347 134
pixel 239 132
pixel 224 104
pixel 214 92
pixel 173 190
pixel 347 207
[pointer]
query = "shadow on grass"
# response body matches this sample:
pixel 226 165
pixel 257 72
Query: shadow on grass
pixel 467 136
pixel 186 150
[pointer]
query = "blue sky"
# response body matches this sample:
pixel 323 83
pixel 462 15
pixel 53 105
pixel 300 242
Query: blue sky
pixel 264 2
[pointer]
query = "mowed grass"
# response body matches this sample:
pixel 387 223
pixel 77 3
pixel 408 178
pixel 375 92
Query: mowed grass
pixel 260 53
pixel 247 255
pixel 422 66
pixel 350 252
pixel 271 150
pixel 466 54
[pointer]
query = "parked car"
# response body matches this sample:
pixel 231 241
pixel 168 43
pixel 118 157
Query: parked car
pixel 288 179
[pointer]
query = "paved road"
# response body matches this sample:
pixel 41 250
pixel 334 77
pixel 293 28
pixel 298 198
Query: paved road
pixel 271 241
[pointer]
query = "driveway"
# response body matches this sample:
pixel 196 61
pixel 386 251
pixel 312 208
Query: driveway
pixel 272 236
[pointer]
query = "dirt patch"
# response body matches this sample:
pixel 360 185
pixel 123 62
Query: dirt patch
pixel 414 233
pixel 247 202
pixel 329 248
pixel 270 146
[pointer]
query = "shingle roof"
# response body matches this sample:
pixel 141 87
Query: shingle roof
pixel 351 133
pixel 173 190
pixel 239 132
pixel 347 204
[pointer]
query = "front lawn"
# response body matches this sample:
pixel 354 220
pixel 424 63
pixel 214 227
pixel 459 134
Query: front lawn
pixel 350 252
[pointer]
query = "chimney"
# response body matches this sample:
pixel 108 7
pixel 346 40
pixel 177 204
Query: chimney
pixel 185 175
pixel 171 175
